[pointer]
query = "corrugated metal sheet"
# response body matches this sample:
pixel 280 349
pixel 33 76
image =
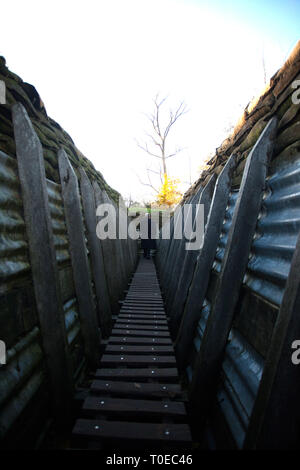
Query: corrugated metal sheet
pixel 63 259
pixel 58 223
pixel 276 233
pixel 21 378
pixel 204 314
pixel 74 337
pixel 241 373
pixel 71 320
pixel 225 230
pixel 272 249
pixel 14 257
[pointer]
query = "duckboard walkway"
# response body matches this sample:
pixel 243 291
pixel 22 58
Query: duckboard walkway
pixel 135 399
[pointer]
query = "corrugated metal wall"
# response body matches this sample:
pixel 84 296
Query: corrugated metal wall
pixel 63 259
pixel 269 263
pixel 23 381
pixel 25 408
pixel 260 297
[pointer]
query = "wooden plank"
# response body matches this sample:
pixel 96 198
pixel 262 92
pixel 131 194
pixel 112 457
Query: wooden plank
pixel 155 390
pixel 200 281
pixel 209 358
pixel 81 273
pixel 140 300
pixel 147 303
pixel 122 430
pixel 186 259
pixel 129 332
pixel 141 317
pixel 138 340
pixel 152 289
pixel 143 300
pixel 142 321
pixel 140 311
pixel 132 407
pixel 177 247
pixel 134 295
pixel 146 306
pixel 138 306
pixel 274 423
pixel 138 349
pixel 97 263
pixel 127 360
pixel 139 374
pixel 135 326
pixel 176 222
pixel 43 262
pixel 149 315
pixel 110 257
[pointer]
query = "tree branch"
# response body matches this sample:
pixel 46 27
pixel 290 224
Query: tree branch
pixel 176 152
pixel 145 148
pixel 158 136
pixel 147 184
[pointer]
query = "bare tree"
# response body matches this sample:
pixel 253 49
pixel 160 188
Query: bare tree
pixel 156 145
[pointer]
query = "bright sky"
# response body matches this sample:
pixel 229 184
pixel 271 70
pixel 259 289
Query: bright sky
pixel 98 65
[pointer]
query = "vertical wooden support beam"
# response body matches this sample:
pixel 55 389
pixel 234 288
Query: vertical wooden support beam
pixel 120 251
pixel 185 267
pixel 110 257
pixel 79 259
pixel 43 262
pixel 204 264
pixel 179 247
pixel 123 234
pixel 176 220
pixel 275 419
pixel 97 263
pixel 209 358
pixel 164 249
pixel 175 247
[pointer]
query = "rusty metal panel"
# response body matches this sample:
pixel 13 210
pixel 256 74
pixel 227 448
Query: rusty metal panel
pixel 14 256
pixel 225 229
pixel 276 233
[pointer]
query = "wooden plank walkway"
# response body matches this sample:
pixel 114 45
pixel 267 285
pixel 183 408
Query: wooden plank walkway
pixel 135 399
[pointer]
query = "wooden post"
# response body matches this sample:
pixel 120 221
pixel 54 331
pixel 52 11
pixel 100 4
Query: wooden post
pixel 120 251
pixel 79 259
pixel 179 248
pixel 209 358
pixel 97 264
pixel 274 423
pixel 43 262
pixel 186 266
pixel 204 264
pixel 109 257
pixel 175 248
pixel 164 250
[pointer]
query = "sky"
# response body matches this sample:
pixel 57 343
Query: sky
pixel 98 65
